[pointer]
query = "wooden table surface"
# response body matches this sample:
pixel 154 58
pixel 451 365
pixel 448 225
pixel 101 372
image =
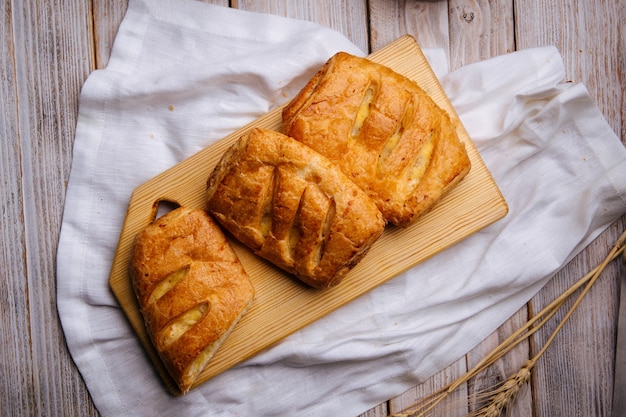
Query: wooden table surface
pixel 50 47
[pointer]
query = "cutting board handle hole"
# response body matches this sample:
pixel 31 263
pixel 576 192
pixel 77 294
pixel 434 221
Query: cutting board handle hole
pixel 163 207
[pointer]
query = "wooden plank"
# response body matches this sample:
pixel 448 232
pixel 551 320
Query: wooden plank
pixel 426 21
pixel 52 52
pixel 348 17
pixel 475 203
pixel 107 16
pixel 18 395
pixel 379 411
pixel 479 30
pixel 621 62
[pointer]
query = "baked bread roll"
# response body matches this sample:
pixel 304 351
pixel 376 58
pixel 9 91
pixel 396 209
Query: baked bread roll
pixel 383 130
pixel 191 288
pixel 293 207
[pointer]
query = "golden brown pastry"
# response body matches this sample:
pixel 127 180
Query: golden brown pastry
pixel 383 130
pixel 291 206
pixel 191 288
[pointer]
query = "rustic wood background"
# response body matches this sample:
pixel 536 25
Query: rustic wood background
pixel 50 47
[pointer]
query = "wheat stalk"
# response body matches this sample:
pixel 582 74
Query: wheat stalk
pixel 503 395
pixel 507 392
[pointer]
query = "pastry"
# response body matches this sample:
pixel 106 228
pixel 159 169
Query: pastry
pixel 383 130
pixel 191 287
pixel 293 207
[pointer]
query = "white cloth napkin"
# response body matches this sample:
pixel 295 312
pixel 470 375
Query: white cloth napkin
pixel 184 74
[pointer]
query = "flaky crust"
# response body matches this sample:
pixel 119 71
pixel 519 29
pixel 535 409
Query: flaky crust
pixel 293 207
pixel 191 288
pixel 383 130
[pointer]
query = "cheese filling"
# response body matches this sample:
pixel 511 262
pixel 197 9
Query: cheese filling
pixel 421 163
pixel 179 326
pixel 364 111
pixel 167 284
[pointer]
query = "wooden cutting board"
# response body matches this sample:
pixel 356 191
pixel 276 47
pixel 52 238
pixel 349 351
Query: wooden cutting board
pixel 283 305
